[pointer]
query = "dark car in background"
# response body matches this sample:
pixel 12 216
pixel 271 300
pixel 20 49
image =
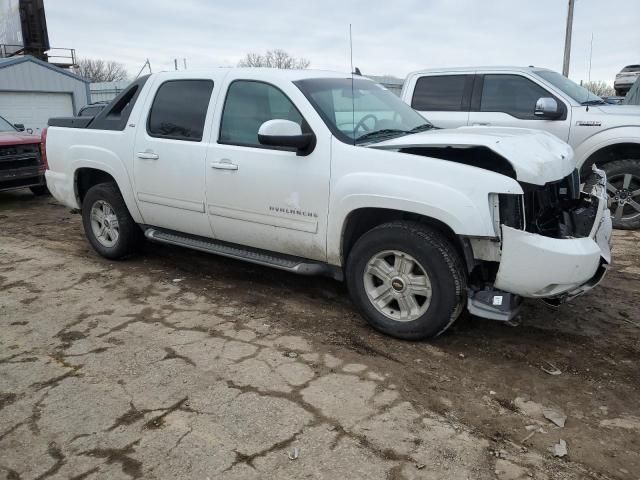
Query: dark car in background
pixel 22 162
pixel 625 79
pixel 92 109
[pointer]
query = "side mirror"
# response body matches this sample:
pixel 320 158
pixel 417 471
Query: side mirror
pixel 285 133
pixel 19 126
pixel 30 131
pixel 547 107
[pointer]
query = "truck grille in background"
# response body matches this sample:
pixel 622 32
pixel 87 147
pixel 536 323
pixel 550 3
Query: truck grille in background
pixel 19 156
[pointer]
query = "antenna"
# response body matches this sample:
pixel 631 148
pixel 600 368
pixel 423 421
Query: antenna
pixel 589 73
pixel 353 101
pixel 145 64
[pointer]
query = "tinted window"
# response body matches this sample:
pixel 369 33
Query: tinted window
pixel 179 109
pixel 248 105
pixel 511 94
pixel 90 111
pixel 631 68
pixel 444 93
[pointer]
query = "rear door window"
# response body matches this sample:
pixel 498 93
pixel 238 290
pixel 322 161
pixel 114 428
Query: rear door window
pixel 442 93
pixel 179 110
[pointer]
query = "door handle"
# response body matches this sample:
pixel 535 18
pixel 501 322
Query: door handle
pixel 148 156
pixel 224 165
pixel 480 124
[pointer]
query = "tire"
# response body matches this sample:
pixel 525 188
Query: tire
pixel 432 254
pixel 39 190
pixel 619 174
pixel 121 236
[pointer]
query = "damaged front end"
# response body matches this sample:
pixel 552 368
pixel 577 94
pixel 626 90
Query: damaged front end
pixel 554 244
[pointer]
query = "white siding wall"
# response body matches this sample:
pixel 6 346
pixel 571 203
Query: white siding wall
pixel 30 76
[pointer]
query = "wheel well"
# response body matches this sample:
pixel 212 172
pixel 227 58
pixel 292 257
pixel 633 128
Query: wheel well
pixel 362 220
pixel 619 151
pixel 87 178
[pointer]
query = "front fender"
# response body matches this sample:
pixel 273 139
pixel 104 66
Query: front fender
pixel 605 138
pixel 465 209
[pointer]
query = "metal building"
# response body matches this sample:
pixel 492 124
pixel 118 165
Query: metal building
pixel 32 91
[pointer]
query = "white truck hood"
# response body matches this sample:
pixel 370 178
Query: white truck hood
pixel 536 156
pixel 615 115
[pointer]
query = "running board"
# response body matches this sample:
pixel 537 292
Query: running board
pixel 289 263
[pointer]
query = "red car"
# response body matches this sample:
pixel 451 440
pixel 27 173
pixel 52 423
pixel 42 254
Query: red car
pixel 22 161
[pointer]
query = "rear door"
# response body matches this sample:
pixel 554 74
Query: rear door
pixel 169 154
pixel 509 100
pixel 442 99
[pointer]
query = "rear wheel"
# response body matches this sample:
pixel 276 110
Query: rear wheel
pixel 107 222
pixel 623 187
pixel 407 280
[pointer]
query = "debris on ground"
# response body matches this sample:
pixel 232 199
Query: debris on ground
pixel 177 280
pixel 292 355
pixel 420 466
pixel 559 449
pixel 294 453
pixel 550 368
pixel 555 416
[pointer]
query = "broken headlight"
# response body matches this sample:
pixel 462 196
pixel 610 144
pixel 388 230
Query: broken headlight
pixel 511 210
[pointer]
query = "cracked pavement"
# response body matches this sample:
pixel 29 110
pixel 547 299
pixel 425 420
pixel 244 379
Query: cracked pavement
pixel 175 364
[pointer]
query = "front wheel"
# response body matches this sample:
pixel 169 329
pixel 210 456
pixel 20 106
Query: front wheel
pixel 407 280
pixel 623 187
pixel 107 222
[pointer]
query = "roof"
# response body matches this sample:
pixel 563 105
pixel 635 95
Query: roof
pixel 481 69
pixel 283 74
pixel 10 61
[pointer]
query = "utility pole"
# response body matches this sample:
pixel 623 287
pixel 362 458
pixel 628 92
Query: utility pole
pixel 567 40
pixel 175 63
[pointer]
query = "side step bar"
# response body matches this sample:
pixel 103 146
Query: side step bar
pixel 289 263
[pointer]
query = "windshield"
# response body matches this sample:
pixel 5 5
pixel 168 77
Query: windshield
pixel 6 126
pixel 367 113
pixel 569 87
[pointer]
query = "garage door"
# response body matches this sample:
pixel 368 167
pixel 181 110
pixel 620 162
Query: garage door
pixel 34 109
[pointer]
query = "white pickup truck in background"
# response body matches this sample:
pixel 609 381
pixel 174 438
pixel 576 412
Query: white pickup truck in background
pixel 323 173
pixel 530 97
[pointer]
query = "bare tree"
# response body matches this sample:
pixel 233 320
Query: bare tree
pixel 274 59
pixel 96 70
pixel 600 88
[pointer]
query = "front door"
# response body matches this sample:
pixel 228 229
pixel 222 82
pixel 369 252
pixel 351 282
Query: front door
pixel 266 197
pixel 509 100
pixel 169 157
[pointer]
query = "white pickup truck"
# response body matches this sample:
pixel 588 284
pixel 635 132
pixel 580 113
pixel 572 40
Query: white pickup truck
pixel 530 97
pixel 321 173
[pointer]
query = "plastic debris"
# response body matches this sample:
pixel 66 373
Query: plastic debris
pixel 559 449
pixel 292 355
pixel 551 369
pixel 420 466
pixel 294 453
pixel 176 280
pixel 555 416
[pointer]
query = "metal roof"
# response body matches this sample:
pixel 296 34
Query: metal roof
pixel 7 62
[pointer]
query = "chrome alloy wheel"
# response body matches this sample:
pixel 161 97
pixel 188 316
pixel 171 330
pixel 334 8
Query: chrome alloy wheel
pixel 397 285
pixel 104 223
pixel 624 196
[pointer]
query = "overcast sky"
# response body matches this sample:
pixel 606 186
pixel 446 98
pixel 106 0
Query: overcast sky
pixel 389 37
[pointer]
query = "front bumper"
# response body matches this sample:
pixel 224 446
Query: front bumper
pixel 536 266
pixel 21 177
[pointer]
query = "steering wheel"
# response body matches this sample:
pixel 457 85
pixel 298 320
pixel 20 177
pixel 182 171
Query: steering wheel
pixel 363 126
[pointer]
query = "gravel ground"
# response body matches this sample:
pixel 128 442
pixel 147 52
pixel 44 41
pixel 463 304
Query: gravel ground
pixel 176 364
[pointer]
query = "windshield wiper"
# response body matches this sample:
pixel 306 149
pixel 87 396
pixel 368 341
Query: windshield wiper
pixel 422 128
pixel 593 102
pixel 380 134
